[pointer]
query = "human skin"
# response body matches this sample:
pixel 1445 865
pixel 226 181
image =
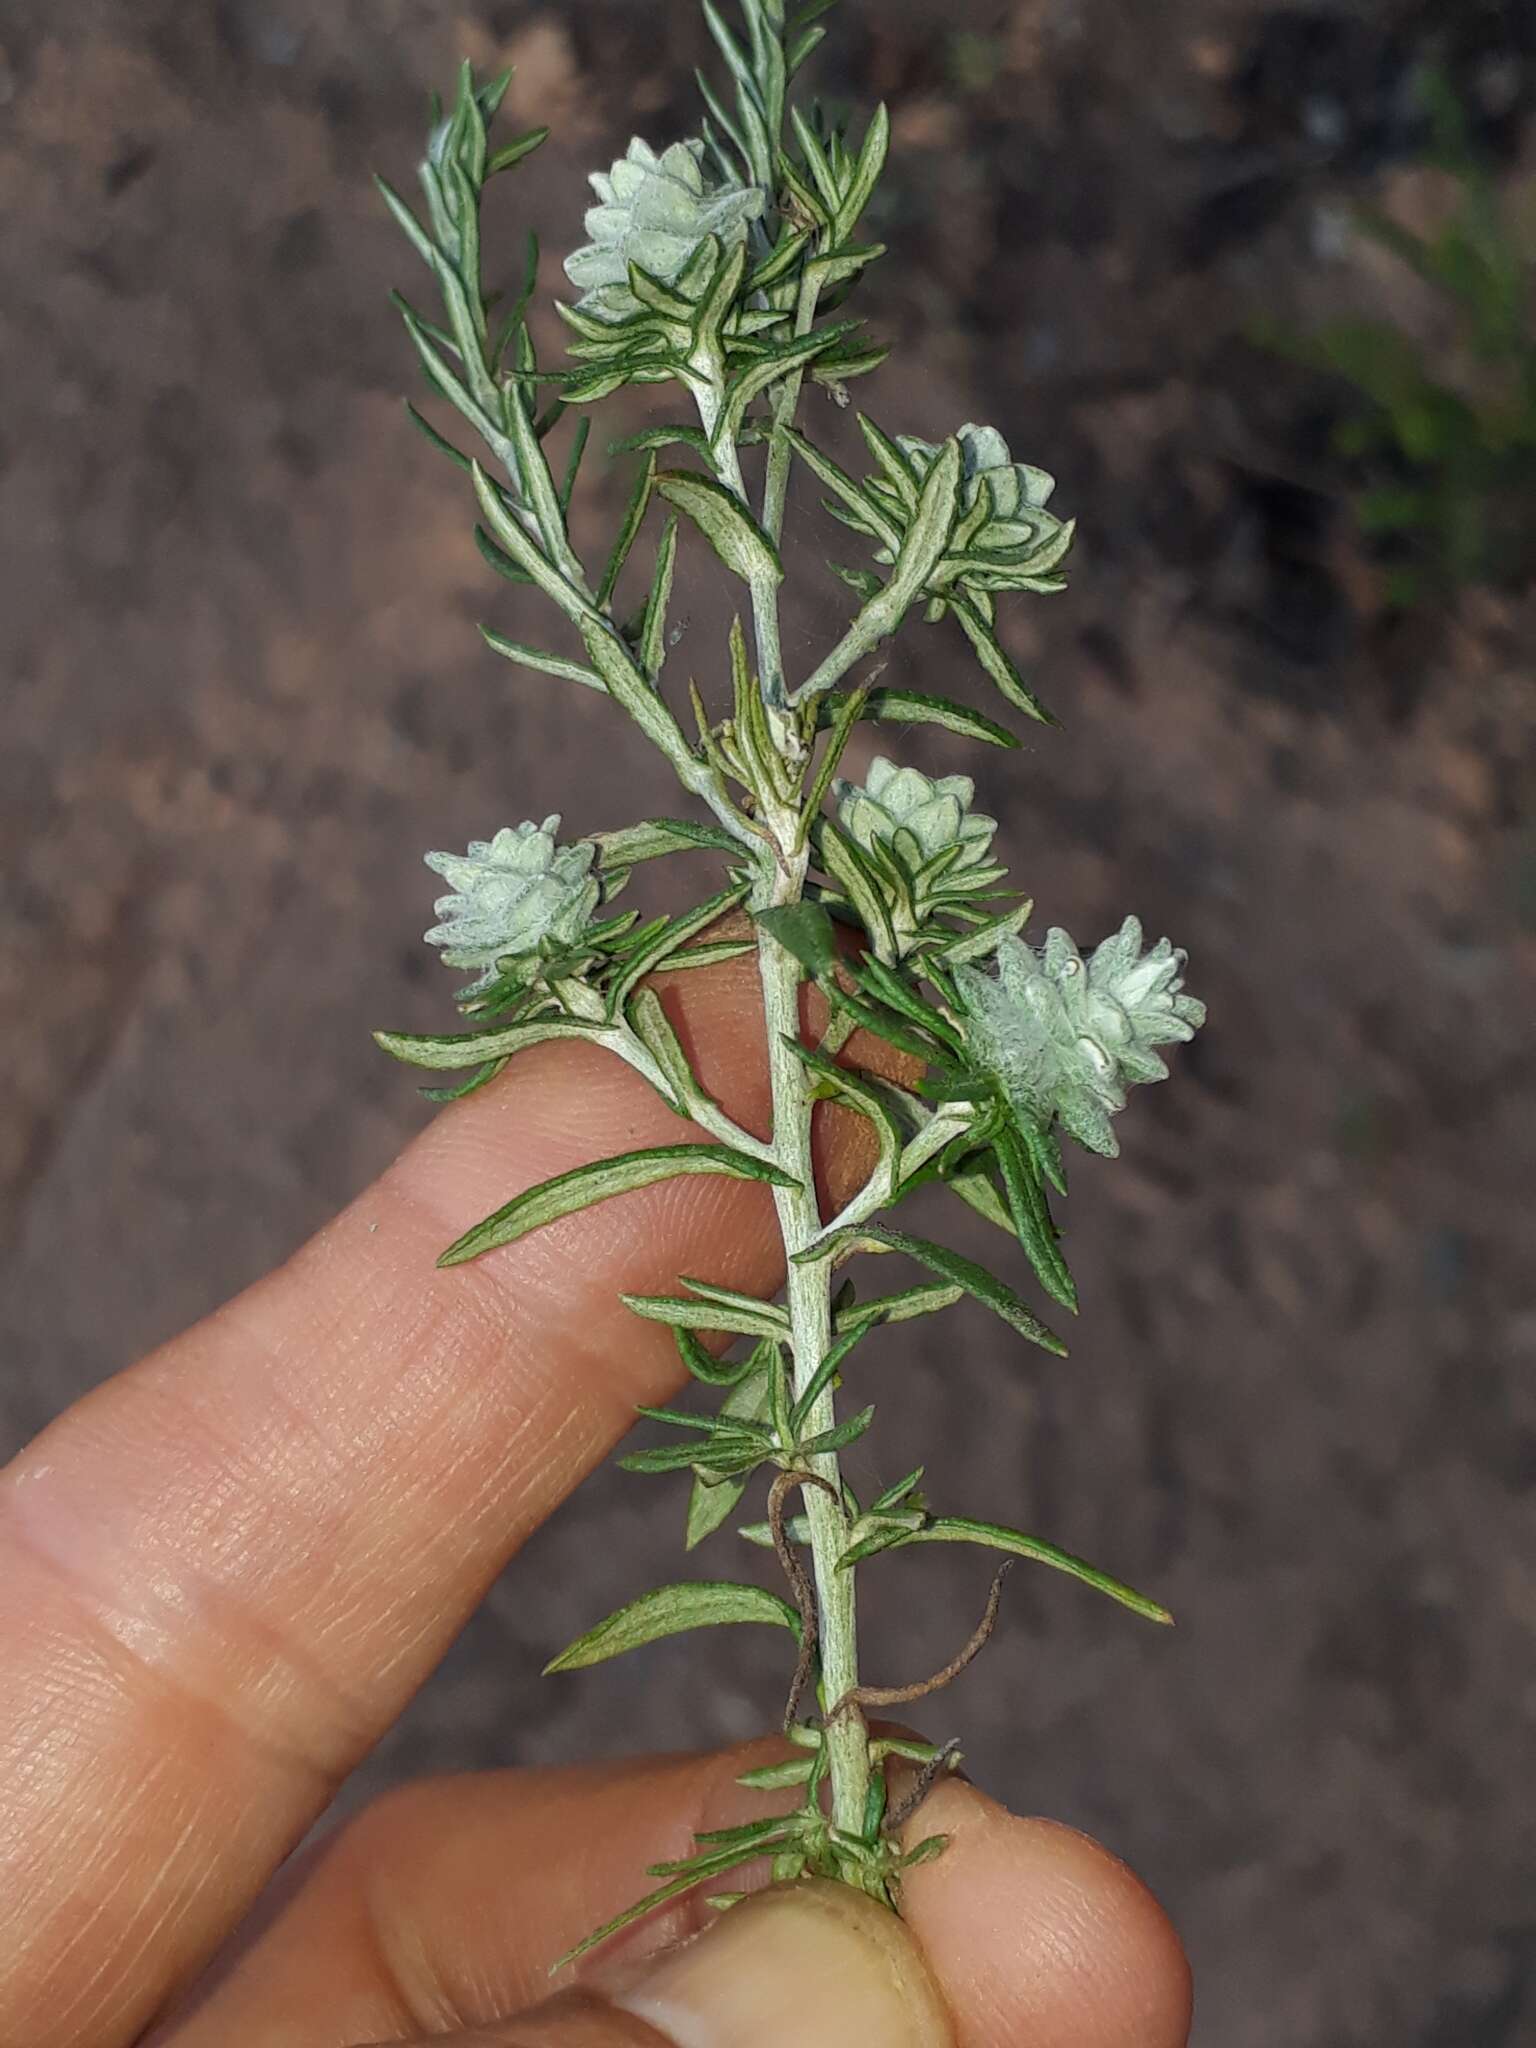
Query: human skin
pixel 225 1572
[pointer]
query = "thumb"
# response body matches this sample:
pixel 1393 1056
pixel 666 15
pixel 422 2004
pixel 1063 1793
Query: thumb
pixel 814 1962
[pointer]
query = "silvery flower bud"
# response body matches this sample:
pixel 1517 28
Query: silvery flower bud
pixel 1010 540
pixel 933 851
pixel 933 814
pixel 654 211
pixel 510 894
pixel 1067 1039
pixel 1013 487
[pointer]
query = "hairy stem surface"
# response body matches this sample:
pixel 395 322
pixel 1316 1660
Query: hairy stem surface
pixel 809 1301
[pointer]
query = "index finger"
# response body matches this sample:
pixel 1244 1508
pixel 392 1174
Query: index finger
pixel 224 1573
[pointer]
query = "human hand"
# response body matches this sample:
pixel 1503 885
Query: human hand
pixel 225 1573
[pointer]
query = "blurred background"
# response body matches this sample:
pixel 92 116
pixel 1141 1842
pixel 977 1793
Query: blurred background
pixel 1253 281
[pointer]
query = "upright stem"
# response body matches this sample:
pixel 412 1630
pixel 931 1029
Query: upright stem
pixel 708 396
pixel 809 1292
pixel 786 400
pixel 809 1304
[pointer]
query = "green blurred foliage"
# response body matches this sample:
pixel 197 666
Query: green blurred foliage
pixel 1446 471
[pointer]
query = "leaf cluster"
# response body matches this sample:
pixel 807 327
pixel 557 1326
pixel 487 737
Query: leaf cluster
pixel 950 555
pixel 1446 463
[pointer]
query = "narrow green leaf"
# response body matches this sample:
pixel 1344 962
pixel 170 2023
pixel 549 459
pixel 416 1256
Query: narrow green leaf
pixel 730 268
pixel 498 559
pixel 648 1020
pixel 1044 1148
pixel 778 1777
pixel 736 58
pixel 805 931
pixel 737 1836
pixel 913 707
pixel 407 222
pixel 994 659
pixel 930 1847
pixel 630 844
pixel 711 1504
pixel 895 466
pixel 823 1376
pixel 800 47
pixel 866 174
pixel 904 1307
pixel 975 1188
pixel 844 863
pixel 893 1496
pixel 546 664
pixel 850 709
pixel 773 369
pixel 634 517
pixel 516 541
pixel 573 464
pixel 839 368
pixel 1032 1219
pixel 704 1366
pixel 705 1425
pixel 836 267
pixel 871 519
pixel 883 1023
pixel 444 1052
pixel 444 380
pixel 673 935
pixel 985 1287
pixel 669 1611
pixel 439 441
pixel 888 1536
pixel 927 536
pixel 797 1528
pixel 658 297
pixel 959 1529
pixel 900 995
pixel 728 127
pixel 709 954
pixel 986 938
pixel 711 1308
pixel 615 664
pixel 663 437
pixel 786 253
pixel 921 551
pixel 860 1092
pixel 816 161
pixel 653 625
pixel 515 151
pixel 727 1455
pixel 696 1872
pixel 725 523
pixel 568 1193
pixel 476 1081
pixel 844 1433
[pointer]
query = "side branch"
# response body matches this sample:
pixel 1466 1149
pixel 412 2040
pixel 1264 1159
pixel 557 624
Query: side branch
pixel 799 1581
pixel 860 1696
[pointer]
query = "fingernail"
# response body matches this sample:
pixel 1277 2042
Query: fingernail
pixel 815 1963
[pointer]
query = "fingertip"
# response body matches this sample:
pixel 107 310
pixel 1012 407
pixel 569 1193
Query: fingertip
pixel 1038 1934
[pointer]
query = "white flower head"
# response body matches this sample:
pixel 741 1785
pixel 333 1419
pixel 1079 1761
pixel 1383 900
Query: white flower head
pixel 930 852
pixel 919 815
pixel 1015 488
pixel 654 211
pixel 1067 1038
pixel 510 894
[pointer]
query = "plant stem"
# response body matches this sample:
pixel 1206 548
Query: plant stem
pixel 709 397
pixel 809 1302
pixel 786 400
